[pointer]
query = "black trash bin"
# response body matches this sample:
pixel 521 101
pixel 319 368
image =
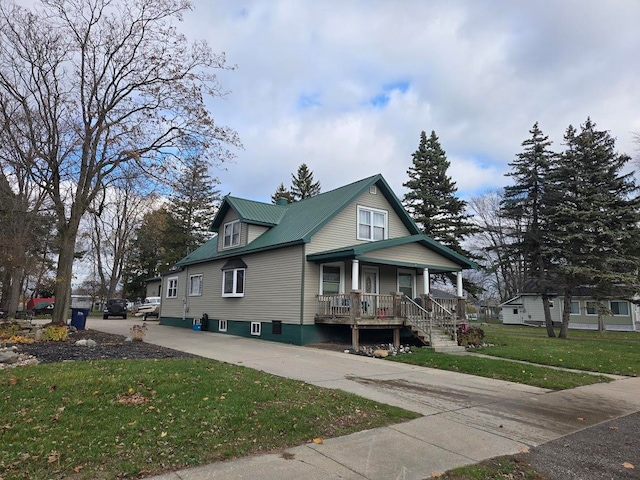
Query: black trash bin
pixel 79 317
pixel 204 322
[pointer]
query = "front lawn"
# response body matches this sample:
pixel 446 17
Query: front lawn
pixel 126 418
pixel 610 352
pixel 537 376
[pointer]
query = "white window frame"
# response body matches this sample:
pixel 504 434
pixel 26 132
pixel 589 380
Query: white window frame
pixel 222 325
pixel 230 234
pixel 342 279
pixel 579 307
pixel 405 271
pixel 611 302
pixel 373 212
pixel 586 308
pixel 234 289
pixel 256 328
pixel 197 293
pixel 172 287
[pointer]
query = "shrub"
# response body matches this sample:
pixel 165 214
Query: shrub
pixel 472 336
pixel 55 333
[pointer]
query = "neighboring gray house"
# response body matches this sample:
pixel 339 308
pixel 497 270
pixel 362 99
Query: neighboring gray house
pixel 526 309
pixel 331 264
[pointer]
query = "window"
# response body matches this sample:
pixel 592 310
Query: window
pixel 331 279
pixel 172 287
pixel 276 327
pixel 372 224
pixel 373 190
pixel 256 328
pixel 233 275
pixel 233 283
pixel 619 308
pixel 575 307
pixel 592 308
pixel 231 234
pixel 515 311
pixel 405 283
pixel 222 325
pixel 195 285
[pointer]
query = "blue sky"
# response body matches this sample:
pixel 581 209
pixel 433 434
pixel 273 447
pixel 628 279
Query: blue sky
pixel 347 86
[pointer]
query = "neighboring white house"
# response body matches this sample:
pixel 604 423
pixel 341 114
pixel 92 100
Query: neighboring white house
pixel 526 309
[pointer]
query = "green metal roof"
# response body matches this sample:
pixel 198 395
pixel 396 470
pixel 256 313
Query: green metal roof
pixel 297 222
pixel 355 251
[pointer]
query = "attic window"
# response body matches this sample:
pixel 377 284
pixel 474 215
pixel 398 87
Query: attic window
pixel 373 190
pixel 372 224
pixel 231 234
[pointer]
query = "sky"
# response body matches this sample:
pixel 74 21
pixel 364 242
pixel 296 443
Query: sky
pixel 347 86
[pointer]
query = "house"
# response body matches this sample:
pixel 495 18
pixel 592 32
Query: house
pixel 336 263
pixel 527 309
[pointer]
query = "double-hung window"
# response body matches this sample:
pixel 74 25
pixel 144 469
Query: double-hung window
pixel 575 307
pixel 619 308
pixel 172 287
pixel 372 224
pixel 331 279
pixel 233 278
pixel 195 285
pixel 231 234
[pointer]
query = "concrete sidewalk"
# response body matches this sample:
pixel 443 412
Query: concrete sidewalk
pixel 466 418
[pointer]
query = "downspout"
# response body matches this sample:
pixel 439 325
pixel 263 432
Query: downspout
pixel 184 296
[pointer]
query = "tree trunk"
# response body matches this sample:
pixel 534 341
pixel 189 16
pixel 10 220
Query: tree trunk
pixel 64 273
pixel 14 297
pixel 548 321
pixel 566 314
pixel 601 327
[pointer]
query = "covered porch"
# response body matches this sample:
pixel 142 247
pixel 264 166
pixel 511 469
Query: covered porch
pixel 387 285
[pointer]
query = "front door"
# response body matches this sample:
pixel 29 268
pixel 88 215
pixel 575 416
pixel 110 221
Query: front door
pixel 370 289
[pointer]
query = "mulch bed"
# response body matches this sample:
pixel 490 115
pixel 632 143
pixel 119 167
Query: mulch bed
pixel 109 346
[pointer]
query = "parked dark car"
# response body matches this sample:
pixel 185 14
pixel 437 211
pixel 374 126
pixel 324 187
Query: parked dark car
pixel 115 307
pixel 43 308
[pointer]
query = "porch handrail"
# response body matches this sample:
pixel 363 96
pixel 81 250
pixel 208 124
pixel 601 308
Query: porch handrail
pixel 417 315
pixel 442 314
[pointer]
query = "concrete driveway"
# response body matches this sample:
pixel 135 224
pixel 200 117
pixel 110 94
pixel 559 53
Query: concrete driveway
pixel 466 418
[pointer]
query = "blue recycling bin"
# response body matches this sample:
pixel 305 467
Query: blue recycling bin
pixel 79 317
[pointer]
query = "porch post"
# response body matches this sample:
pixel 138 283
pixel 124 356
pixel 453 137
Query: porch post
pixel 459 284
pixel 425 280
pixel 355 280
pixel 461 305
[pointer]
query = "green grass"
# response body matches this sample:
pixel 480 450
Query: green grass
pixel 499 468
pixel 610 352
pixel 537 376
pixel 117 419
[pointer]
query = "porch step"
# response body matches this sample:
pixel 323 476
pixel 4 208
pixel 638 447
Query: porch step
pixel 448 349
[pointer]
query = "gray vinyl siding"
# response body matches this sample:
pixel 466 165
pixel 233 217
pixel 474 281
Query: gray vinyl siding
pixel 342 230
pixel 413 253
pixel 254 231
pixel 153 288
pixel 585 319
pixel 272 289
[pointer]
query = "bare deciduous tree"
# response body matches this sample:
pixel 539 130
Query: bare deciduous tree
pixel 102 84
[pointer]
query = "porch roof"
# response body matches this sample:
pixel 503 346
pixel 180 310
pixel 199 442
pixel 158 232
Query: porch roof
pixel 359 252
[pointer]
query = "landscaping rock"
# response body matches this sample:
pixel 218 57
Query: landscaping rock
pixel 380 353
pixel 8 356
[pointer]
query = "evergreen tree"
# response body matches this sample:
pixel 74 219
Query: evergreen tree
pixel 281 192
pixel 523 205
pixel 194 203
pixel 431 200
pixel 302 184
pixel 593 219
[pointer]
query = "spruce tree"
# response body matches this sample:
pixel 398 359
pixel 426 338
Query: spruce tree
pixel 302 184
pixel 593 219
pixel 431 200
pixel 523 205
pixel 194 203
pixel 281 192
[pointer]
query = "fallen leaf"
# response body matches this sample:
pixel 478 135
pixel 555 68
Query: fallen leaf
pixel 52 388
pixel 163 434
pixel 78 469
pixel 613 427
pixel 628 465
pixel 53 457
pixel 317 440
pixel 435 474
pixel 95 393
pixel 13 381
pixel 581 419
pixel 523 450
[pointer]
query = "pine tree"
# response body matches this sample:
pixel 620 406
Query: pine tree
pixel 593 219
pixel 281 192
pixel 431 200
pixel 194 203
pixel 302 184
pixel 523 205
